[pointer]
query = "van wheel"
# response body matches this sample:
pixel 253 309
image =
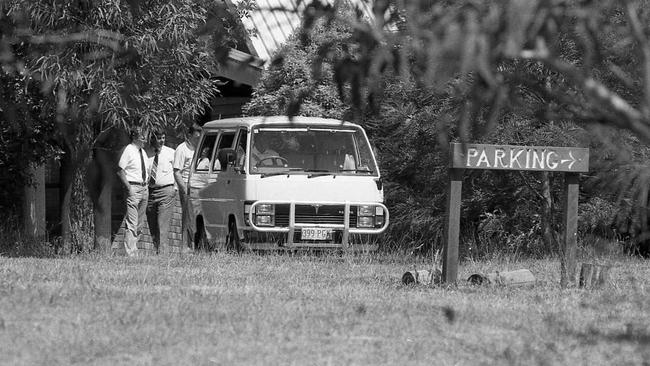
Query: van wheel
pixel 232 242
pixel 201 239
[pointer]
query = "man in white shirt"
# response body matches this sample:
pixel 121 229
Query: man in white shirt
pixel 132 172
pixel 161 191
pixel 261 152
pixel 182 161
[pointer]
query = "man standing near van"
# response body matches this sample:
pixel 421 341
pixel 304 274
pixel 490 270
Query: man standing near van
pixel 182 161
pixel 161 191
pixel 261 151
pixel 132 173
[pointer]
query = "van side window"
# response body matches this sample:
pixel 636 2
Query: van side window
pixel 242 141
pixel 226 141
pixel 205 153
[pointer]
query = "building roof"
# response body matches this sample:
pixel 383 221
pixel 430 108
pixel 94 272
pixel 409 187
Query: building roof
pixel 274 21
pixel 270 25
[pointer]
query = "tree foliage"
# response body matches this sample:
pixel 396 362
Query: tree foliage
pixel 114 64
pixel 95 66
pixel 292 81
pixel 423 73
pixel 21 144
pixel 589 60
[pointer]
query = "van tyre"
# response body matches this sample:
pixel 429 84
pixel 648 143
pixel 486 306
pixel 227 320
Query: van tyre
pixel 233 242
pixel 201 239
pixel 201 242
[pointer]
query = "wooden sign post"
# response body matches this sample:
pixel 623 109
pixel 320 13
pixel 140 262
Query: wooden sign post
pixel 570 160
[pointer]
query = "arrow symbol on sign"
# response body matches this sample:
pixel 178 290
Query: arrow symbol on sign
pixel 572 160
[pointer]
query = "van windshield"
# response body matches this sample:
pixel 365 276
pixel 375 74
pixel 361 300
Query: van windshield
pixel 310 150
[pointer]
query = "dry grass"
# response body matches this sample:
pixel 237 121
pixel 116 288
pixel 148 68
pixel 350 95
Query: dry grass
pixel 310 310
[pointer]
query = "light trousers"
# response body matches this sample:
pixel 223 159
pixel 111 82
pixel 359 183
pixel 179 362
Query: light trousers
pixel 136 207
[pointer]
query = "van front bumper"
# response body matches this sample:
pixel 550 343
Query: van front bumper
pixel 301 224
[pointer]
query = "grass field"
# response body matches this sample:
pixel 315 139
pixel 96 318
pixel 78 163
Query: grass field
pixel 311 310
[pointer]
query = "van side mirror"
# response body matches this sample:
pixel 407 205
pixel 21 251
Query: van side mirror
pixel 227 157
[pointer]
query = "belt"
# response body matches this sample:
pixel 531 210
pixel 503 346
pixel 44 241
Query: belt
pixel 163 186
pixel 137 183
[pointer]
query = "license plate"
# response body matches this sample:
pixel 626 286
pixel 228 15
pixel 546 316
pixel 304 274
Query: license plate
pixel 314 233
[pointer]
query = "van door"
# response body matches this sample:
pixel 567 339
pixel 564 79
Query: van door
pixel 233 181
pixel 201 173
pixel 213 197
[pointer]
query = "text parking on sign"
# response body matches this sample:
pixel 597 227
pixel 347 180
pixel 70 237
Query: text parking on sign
pixel 508 157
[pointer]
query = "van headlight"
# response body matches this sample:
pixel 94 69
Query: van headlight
pixel 367 210
pixel 365 221
pixel 265 214
pixel 370 216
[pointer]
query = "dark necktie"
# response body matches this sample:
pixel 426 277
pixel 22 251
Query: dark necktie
pixel 154 169
pixel 142 167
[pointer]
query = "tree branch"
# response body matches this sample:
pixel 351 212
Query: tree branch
pixel 629 117
pixel 101 36
pixel 642 40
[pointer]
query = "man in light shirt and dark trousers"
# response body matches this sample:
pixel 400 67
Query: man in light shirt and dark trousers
pixel 161 191
pixel 132 172
pixel 182 161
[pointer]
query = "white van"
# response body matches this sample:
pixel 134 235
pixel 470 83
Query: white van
pixel 274 183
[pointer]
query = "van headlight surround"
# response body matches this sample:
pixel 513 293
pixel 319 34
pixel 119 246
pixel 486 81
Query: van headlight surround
pixel 265 214
pixel 370 216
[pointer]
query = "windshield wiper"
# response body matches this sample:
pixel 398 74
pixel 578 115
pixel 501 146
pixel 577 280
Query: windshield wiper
pixel 319 173
pixel 364 170
pixel 287 172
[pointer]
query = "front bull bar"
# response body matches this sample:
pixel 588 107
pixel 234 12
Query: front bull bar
pixel 293 225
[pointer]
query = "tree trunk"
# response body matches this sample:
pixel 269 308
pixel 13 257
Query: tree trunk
pixel 101 186
pixel 66 180
pixel 81 208
pixel 76 211
pixel 547 212
pixel 34 203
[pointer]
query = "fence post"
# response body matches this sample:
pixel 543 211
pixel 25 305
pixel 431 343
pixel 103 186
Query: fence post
pixel 452 227
pixel 569 240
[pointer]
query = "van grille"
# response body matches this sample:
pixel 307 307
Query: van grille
pixel 308 214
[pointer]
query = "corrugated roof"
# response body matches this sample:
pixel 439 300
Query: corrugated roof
pixel 274 21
